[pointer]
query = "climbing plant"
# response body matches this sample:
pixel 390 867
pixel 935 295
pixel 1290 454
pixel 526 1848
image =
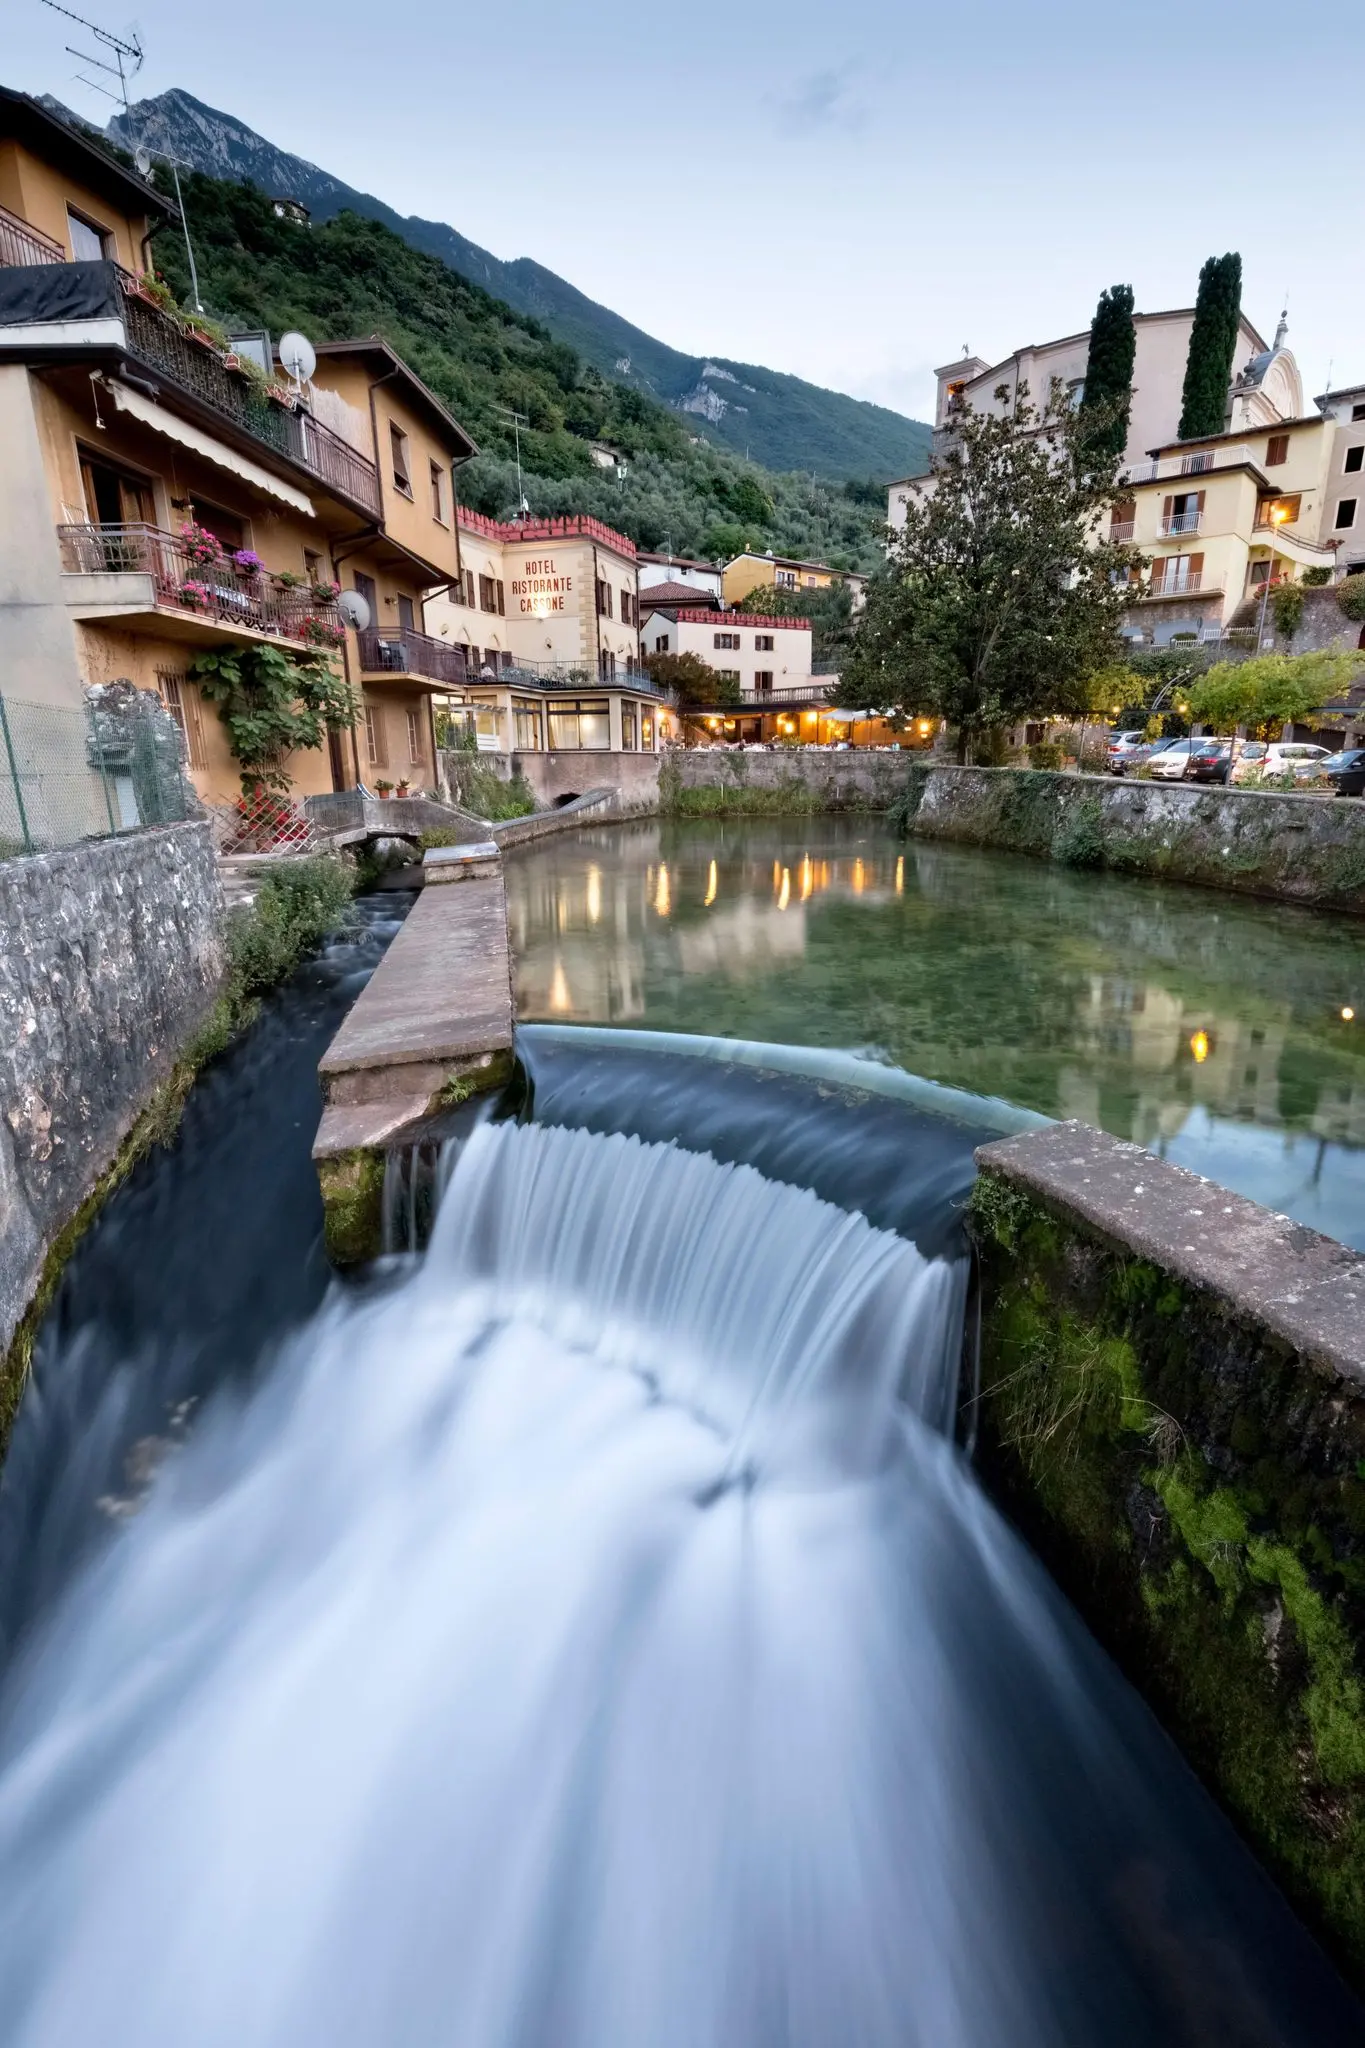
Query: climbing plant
pixel 1108 398
pixel 1213 342
pixel 1287 605
pixel 273 704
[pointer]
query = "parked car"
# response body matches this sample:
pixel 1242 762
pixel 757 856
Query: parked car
pixel 1282 757
pixel 1346 771
pixel 1210 760
pixel 1126 750
pixel 1173 762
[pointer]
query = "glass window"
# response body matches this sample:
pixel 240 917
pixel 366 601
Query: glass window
pixel 1354 458
pixel 89 244
pixel 398 450
pixel 526 727
pixel 582 724
pixel 647 731
pixel 1346 513
pixel 628 735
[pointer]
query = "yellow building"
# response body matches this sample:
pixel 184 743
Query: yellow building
pixel 160 496
pixel 783 572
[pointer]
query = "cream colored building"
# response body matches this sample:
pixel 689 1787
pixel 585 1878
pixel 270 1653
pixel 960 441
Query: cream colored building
pixel 763 657
pixel 552 597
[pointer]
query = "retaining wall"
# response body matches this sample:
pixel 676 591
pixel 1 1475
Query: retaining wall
pixel 863 779
pixel 112 957
pixel 1174 1410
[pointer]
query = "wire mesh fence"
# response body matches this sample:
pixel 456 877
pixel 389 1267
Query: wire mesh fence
pixel 69 773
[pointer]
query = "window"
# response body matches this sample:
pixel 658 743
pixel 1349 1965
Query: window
pixel 1181 512
pixel 628 732
pixel 501 595
pixel 1259 572
pixel 407 622
pixel 647 730
pixel 1276 450
pixel 526 728
pixel 374 736
pixel 606 664
pixel 628 614
pixel 603 600
pixel 1278 511
pixel 438 497
pixel 469 588
pixel 182 701
pixel 763 681
pixel 661 643
pixel 581 723
pixel 312 565
pixel 1346 514
pixel 414 740
pixel 116 497
pixel 89 243
pixel 785 579
pixel 729 640
pixel 488 596
pixel 1358 412
pixel 728 675
pixel 398 451
pixel 1354 459
pixel 763 643
pixel 1172 575
pixel 225 527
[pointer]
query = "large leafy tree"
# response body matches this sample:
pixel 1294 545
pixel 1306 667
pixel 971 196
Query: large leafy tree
pixel 1108 399
pixel 1213 343
pixel 273 704
pixel 1002 595
pixel 1269 691
pixel 692 681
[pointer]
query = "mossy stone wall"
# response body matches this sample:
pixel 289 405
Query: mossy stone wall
pixel 1196 1481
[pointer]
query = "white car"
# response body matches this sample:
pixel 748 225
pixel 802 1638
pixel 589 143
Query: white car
pixel 1282 758
pixel 1172 763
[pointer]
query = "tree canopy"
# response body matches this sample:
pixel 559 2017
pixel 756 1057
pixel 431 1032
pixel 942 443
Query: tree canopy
pixel 1268 690
pixel 1002 593
pixel 1108 400
pixel 829 610
pixel 693 681
pixel 1213 343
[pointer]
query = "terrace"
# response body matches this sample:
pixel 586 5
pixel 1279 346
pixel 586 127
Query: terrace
pixel 131 571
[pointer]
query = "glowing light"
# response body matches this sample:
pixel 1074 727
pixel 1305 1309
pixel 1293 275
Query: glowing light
pixel 777 876
pixel 709 898
pixel 807 877
pixel 924 727
pixel 594 894
pixel 560 999
pixel 1199 1046
pixel 900 874
pixel 784 894
pixel 859 878
pixel 1347 1014
pixel 662 898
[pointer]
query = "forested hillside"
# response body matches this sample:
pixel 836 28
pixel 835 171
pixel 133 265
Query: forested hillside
pixel 353 276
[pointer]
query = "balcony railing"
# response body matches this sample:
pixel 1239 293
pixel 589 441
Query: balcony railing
pixel 412 654
pixel 790 693
pixel 1180 522
pixel 1198 462
pixel 1121 532
pixel 200 370
pixel 1186 585
pixel 181 582
pixel 22 245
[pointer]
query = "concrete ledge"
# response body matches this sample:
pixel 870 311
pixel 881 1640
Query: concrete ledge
pixel 460 863
pixel 1306 1289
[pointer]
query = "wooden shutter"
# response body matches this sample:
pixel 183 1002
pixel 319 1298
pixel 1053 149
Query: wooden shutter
pixel 1159 569
pixel 502 600
pixel 1166 505
pixel 1199 503
pixel 1195 566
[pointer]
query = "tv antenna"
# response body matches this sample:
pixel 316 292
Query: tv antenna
pixel 519 420
pixel 142 163
pixel 126 55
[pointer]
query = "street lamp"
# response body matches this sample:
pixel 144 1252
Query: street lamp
pixel 1278 515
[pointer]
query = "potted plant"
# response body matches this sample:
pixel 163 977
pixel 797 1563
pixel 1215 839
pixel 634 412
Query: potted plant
pixel 325 592
pixel 248 564
pixel 402 789
pixel 200 546
pixel 285 579
pixel 193 595
pixel 323 632
pixel 384 788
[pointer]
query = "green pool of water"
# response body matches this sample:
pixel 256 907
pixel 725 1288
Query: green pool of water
pixel 1213 1030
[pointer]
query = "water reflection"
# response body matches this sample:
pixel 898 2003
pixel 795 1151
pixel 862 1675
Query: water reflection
pixel 1221 1033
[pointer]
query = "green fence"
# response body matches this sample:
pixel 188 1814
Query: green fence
pixel 73 773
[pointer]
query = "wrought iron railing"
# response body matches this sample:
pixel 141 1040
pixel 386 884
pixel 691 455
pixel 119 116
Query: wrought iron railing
pixel 413 654
pixel 1120 532
pixel 1176 586
pixel 1180 522
pixel 183 581
pixel 22 245
pixel 198 368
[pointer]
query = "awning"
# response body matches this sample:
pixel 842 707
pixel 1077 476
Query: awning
pixel 175 429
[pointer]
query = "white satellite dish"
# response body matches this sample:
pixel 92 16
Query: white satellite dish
pixel 143 159
pixel 354 609
pixel 298 356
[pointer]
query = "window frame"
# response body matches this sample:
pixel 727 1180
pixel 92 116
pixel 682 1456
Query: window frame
pixel 1340 525
pixel 104 236
pixel 1354 462
pixel 1276 451
pixel 400 469
pixel 437 475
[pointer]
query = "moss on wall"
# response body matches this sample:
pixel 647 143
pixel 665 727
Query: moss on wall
pixel 353 1204
pixel 1200 1493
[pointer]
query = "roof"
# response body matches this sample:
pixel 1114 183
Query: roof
pixel 571 526
pixel 661 595
pixel 375 351
pixel 683 562
pixel 733 618
pixel 1239 434
pixel 79 154
pixel 795 562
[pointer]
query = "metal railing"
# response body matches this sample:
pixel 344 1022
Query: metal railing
pixel 198 368
pixel 1197 463
pixel 788 693
pixel 22 245
pixel 1177 586
pixel 69 773
pixel 1120 531
pixel 183 581
pixel 1180 522
pixel 411 654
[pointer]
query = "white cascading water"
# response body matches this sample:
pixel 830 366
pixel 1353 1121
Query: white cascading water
pixel 590 1642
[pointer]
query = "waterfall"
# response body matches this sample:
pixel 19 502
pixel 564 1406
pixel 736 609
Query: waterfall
pixel 590 1638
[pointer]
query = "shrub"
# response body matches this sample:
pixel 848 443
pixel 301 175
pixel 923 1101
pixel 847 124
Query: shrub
pixel 296 906
pixel 1079 841
pixel 1287 605
pixel 477 786
pixel 1313 579
pixel 1351 597
pixel 1045 754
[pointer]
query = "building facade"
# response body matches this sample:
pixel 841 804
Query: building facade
pixel 680 573
pixel 762 657
pixel 553 597
pixel 749 572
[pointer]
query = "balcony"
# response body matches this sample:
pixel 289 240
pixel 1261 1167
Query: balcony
pixel 124 571
pixel 1120 532
pixel 1180 522
pixel 1199 462
pixel 21 246
pixel 412 654
pixel 1190 584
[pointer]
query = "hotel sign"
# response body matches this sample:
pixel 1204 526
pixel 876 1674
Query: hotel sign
pixel 541 589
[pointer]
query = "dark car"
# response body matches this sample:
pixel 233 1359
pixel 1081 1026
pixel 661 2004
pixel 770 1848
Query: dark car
pixel 1346 771
pixel 1210 760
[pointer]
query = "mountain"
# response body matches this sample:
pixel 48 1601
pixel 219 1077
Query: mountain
pixel 779 421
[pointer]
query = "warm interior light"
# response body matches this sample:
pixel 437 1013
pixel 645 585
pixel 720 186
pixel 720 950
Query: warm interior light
pixel 661 893
pixel 900 874
pixel 784 894
pixel 594 894
pixel 1199 1046
pixel 1347 1013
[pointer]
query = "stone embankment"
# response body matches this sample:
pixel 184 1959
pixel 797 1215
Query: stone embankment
pixel 112 958
pixel 1297 846
pixel 1173 1406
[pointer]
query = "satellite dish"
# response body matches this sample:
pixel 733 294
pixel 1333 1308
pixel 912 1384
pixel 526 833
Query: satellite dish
pixel 352 606
pixel 143 159
pixel 298 356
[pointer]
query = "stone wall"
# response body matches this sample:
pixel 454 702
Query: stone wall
pixel 112 956
pixel 704 780
pixel 553 777
pixel 1173 1409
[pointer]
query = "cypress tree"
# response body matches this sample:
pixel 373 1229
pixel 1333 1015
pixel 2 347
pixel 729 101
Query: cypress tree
pixel 1213 343
pixel 1109 371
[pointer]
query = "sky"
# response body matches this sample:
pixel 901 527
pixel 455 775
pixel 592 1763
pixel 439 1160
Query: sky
pixel 851 193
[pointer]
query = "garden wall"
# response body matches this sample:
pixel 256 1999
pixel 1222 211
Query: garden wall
pixel 112 957
pixel 1173 1408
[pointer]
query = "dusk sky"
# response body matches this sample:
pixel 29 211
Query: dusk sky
pixel 850 193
